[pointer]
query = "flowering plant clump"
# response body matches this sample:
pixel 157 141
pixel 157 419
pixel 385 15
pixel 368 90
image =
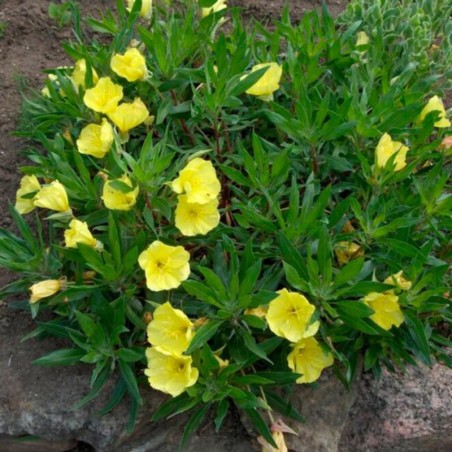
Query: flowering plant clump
pixel 217 206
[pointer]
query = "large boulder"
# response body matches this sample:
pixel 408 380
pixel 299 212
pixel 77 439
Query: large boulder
pixel 399 412
pixel 402 412
pixel 36 402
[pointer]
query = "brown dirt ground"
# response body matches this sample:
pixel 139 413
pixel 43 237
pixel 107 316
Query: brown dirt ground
pixel 29 43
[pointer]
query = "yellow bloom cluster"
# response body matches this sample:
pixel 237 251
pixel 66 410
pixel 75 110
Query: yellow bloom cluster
pixel 105 96
pixel 217 6
pixel 268 83
pixel 198 188
pixel 289 316
pixel 435 104
pixel 309 359
pixel 116 199
pixel 386 308
pixel 44 289
pixel 79 74
pixel 28 185
pixel 170 333
pixel 131 65
pixel 96 140
pixel 146 8
pixel 165 266
pixel 52 196
pixel 386 148
pixel 170 329
pixel 129 115
pixel 78 232
pixel 387 312
pixel 345 251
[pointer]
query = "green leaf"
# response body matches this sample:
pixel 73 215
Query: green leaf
pixel 280 378
pixel 349 272
pixel 92 330
pixel 254 321
pixel 114 238
pixel 120 186
pixel 261 426
pixel 117 395
pixel 294 279
pixel 214 282
pixel 292 256
pixel 130 355
pixel 250 380
pixel 252 346
pixel 204 333
pixel 63 357
pixel 222 411
pixel 206 3
pixel 283 407
pixel 173 406
pixel 363 288
pixel 201 292
pixel 419 336
pixel 193 424
pixel 364 325
pixel 324 253
pixel 248 283
pixel 353 308
pixel 98 385
pixel 130 380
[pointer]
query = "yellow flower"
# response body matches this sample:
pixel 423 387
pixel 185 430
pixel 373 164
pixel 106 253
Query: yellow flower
pixel 198 180
pixel 362 39
pixel 169 373
pixel 170 329
pixel 53 197
pixel 95 139
pixel 131 65
pixel 116 199
pixel 217 6
pixel 279 440
pixel 435 104
pixel 165 266
pixel 146 8
pixel 386 148
pixel 221 362
pixel 260 311
pixel 387 310
pixel 78 232
pixel 79 74
pixel 44 289
pixel 104 97
pixel 289 316
pixel 193 218
pixel 28 185
pixel 399 281
pixel 45 91
pixel 309 359
pixel 269 81
pixel 129 115
pixel 345 251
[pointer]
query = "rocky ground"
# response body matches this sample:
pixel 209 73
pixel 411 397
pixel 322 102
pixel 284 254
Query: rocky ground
pixel 409 412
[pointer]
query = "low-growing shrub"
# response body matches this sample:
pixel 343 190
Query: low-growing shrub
pixel 224 210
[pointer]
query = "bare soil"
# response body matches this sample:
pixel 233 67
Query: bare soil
pixel 30 42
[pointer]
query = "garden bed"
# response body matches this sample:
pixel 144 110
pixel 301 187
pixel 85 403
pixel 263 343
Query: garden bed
pixel 29 43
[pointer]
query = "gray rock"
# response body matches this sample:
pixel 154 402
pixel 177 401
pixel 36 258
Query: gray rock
pixel 410 412
pixel 325 409
pixel 37 401
pixel 27 444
